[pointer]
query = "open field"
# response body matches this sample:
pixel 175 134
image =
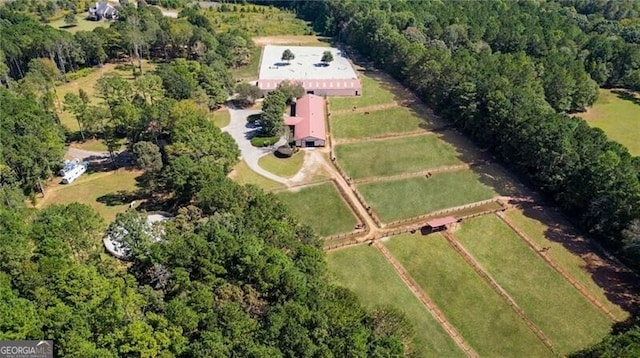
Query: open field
pixel 482 317
pixel 365 271
pixel 82 24
pixel 283 167
pixel 567 318
pixel 545 235
pixel 257 20
pixel 101 191
pixel 242 174
pixel 87 83
pixel 377 123
pixel 250 71
pixel 220 117
pixel 321 207
pixel 395 156
pixel 374 92
pixel 617 113
pixel 406 198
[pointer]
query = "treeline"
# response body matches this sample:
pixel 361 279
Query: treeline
pixel 503 72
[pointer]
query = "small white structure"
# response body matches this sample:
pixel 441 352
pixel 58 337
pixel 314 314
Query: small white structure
pixel 74 172
pixel 113 240
pixel 102 10
pixel 68 166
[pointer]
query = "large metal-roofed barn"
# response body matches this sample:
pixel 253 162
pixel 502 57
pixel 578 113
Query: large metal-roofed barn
pixel 307 121
pixel 338 78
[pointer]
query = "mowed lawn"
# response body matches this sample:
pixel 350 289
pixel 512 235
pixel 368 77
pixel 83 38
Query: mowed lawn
pixel 567 318
pixel 480 315
pixel 395 156
pixel 618 115
pixel 94 190
pixel 374 92
pixel 573 264
pixel 407 198
pixel 220 117
pixel 242 175
pixel 284 167
pixel 82 24
pixel 365 271
pixel 321 207
pixel 378 123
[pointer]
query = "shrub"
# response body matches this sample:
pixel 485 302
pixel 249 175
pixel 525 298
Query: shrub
pixel 264 141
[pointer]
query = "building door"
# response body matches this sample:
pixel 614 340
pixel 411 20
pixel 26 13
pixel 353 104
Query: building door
pixel 357 94
pixel 310 92
pixel 309 143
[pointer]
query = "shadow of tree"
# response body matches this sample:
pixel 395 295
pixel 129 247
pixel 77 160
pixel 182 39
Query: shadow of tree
pixel 627 95
pixel 120 197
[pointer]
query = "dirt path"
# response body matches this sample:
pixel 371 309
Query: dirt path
pixel 290 40
pixel 423 173
pixel 497 288
pixel 538 250
pixel 377 107
pixel 383 137
pixel 425 300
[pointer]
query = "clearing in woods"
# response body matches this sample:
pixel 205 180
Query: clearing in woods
pixel 365 271
pixel 481 316
pixel 617 113
pixel 556 307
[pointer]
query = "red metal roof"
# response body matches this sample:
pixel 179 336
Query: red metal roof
pixel 442 221
pixel 311 85
pixel 309 119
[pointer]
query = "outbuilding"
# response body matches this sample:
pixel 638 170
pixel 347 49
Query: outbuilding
pixel 307 121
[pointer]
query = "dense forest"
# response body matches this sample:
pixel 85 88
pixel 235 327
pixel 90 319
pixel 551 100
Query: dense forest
pixel 233 276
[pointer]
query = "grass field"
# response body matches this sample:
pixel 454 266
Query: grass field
pixel 377 123
pixel 221 117
pixel 573 264
pixel 284 167
pixel 242 174
pixel 94 145
pixel 88 83
pixel 374 92
pixel 395 156
pixel 250 71
pixel 406 198
pixel 567 318
pixel 89 188
pixel 618 114
pixel 267 21
pixel 82 24
pixel 365 271
pixel 321 207
pixel 482 317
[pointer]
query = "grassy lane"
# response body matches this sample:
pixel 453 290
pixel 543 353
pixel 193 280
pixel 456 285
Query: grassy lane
pixel 406 198
pixel 321 207
pixel 617 113
pixel 377 123
pixel 566 317
pixel 482 317
pixel 364 270
pixel 395 156
pixel 573 264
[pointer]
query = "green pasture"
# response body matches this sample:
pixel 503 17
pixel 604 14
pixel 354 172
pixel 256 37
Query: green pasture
pixel 242 174
pixel 321 207
pixel 543 232
pixel 617 113
pixel 556 307
pixel 374 92
pixel 378 123
pixel 364 270
pixel 407 198
pixel 395 156
pixel 107 193
pixel 480 315
pixel 283 167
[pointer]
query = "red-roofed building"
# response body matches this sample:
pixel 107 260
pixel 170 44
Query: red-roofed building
pixel 307 121
pixel 320 87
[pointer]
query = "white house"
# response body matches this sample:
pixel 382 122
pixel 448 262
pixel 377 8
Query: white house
pixel 74 173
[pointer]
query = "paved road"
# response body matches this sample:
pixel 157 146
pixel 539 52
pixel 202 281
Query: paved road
pixel 242 133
